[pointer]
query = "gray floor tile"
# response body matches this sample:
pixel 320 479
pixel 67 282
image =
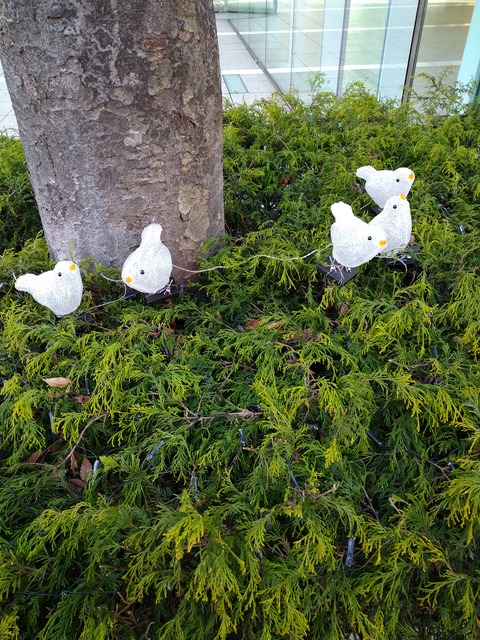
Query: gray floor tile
pixel 257 84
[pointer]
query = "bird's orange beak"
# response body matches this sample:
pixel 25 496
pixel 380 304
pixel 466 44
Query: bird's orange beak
pixel 382 243
pixel 411 176
pixel 128 280
pixel 402 196
pixel 72 267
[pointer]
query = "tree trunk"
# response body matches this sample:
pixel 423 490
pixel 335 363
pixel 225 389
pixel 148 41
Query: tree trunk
pixel 119 109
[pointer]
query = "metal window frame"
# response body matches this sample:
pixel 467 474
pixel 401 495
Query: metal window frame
pixel 414 49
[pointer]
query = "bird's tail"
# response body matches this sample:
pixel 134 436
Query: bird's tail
pixel 341 211
pixel 365 172
pixel 25 282
pixel 152 234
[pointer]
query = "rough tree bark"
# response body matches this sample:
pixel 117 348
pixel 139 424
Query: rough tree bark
pixel 118 104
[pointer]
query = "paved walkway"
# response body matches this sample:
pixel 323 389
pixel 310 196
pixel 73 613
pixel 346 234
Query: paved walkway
pixel 242 78
pixel 8 122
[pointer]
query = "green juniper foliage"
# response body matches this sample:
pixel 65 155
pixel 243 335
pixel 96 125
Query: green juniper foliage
pixel 19 218
pixel 270 455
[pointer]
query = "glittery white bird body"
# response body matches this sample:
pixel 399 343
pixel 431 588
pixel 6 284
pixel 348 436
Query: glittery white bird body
pixel 396 221
pixel 384 184
pixel 354 241
pixel 60 289
pixel 149 267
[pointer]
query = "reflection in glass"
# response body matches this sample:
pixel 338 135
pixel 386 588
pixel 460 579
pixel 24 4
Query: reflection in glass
pixel 367 41
pixel 443 39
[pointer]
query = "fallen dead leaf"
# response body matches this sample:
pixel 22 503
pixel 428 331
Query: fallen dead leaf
pixel 85 469
pixel 59 383
pixel 77 484
pixel 283 182
pixel 35 457
pixel 276 324
pixel 250 325
pixel 73 460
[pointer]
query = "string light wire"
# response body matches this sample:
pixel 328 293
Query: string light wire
pixel 260 255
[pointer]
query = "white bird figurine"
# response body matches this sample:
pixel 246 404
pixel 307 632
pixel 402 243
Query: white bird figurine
pixel 149 267
pixel 396 221
pixel 60 289
pixel 382 185
pixel 354 241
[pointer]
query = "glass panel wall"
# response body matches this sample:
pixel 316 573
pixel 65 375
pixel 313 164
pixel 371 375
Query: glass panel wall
pixel 365 36
pixel 378 45
pixel 305 44
pixel 469 71
pixel 279 53
pixel 352 40
pixel 443 40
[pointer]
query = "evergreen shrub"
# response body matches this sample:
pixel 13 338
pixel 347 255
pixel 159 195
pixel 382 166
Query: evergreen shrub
pixel 271 455
pixel 19 218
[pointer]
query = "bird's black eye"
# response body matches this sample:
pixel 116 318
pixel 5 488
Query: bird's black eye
pixel 59 273
pixel 397 180
pixel 142 272
pixel 394 206
pixel 369 238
